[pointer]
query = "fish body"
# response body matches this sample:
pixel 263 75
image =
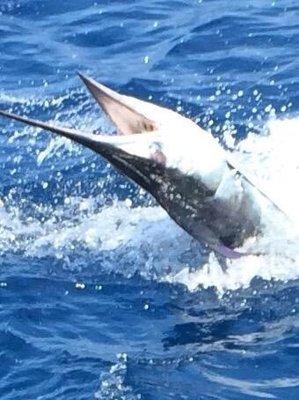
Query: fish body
pixel 181 165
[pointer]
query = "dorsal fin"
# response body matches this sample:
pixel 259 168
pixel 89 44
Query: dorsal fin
pixel 127 120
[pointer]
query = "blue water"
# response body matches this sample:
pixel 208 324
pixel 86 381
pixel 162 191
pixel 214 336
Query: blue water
pixel 87 308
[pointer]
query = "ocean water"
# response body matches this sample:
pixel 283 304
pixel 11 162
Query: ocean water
pixel 101 294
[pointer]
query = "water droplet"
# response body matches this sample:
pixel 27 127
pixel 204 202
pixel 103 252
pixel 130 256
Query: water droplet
pixel 80 285
pixel 268 108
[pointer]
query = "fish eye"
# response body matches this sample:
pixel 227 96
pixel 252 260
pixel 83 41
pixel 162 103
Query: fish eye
pixel 147 126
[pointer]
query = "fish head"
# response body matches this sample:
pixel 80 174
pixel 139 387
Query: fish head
pixel 156 136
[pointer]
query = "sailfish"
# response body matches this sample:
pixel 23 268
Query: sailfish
pixel 180 164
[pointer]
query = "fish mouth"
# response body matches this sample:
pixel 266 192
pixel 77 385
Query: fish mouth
pixel 121 109
pixel 128 121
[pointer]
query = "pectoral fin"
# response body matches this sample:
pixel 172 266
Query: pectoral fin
pixel 232 165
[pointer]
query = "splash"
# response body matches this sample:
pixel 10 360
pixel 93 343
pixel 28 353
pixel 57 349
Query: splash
pixel 144 240
pixel 273 163
pixel 113 383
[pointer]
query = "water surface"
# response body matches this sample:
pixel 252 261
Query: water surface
pixel 101 294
